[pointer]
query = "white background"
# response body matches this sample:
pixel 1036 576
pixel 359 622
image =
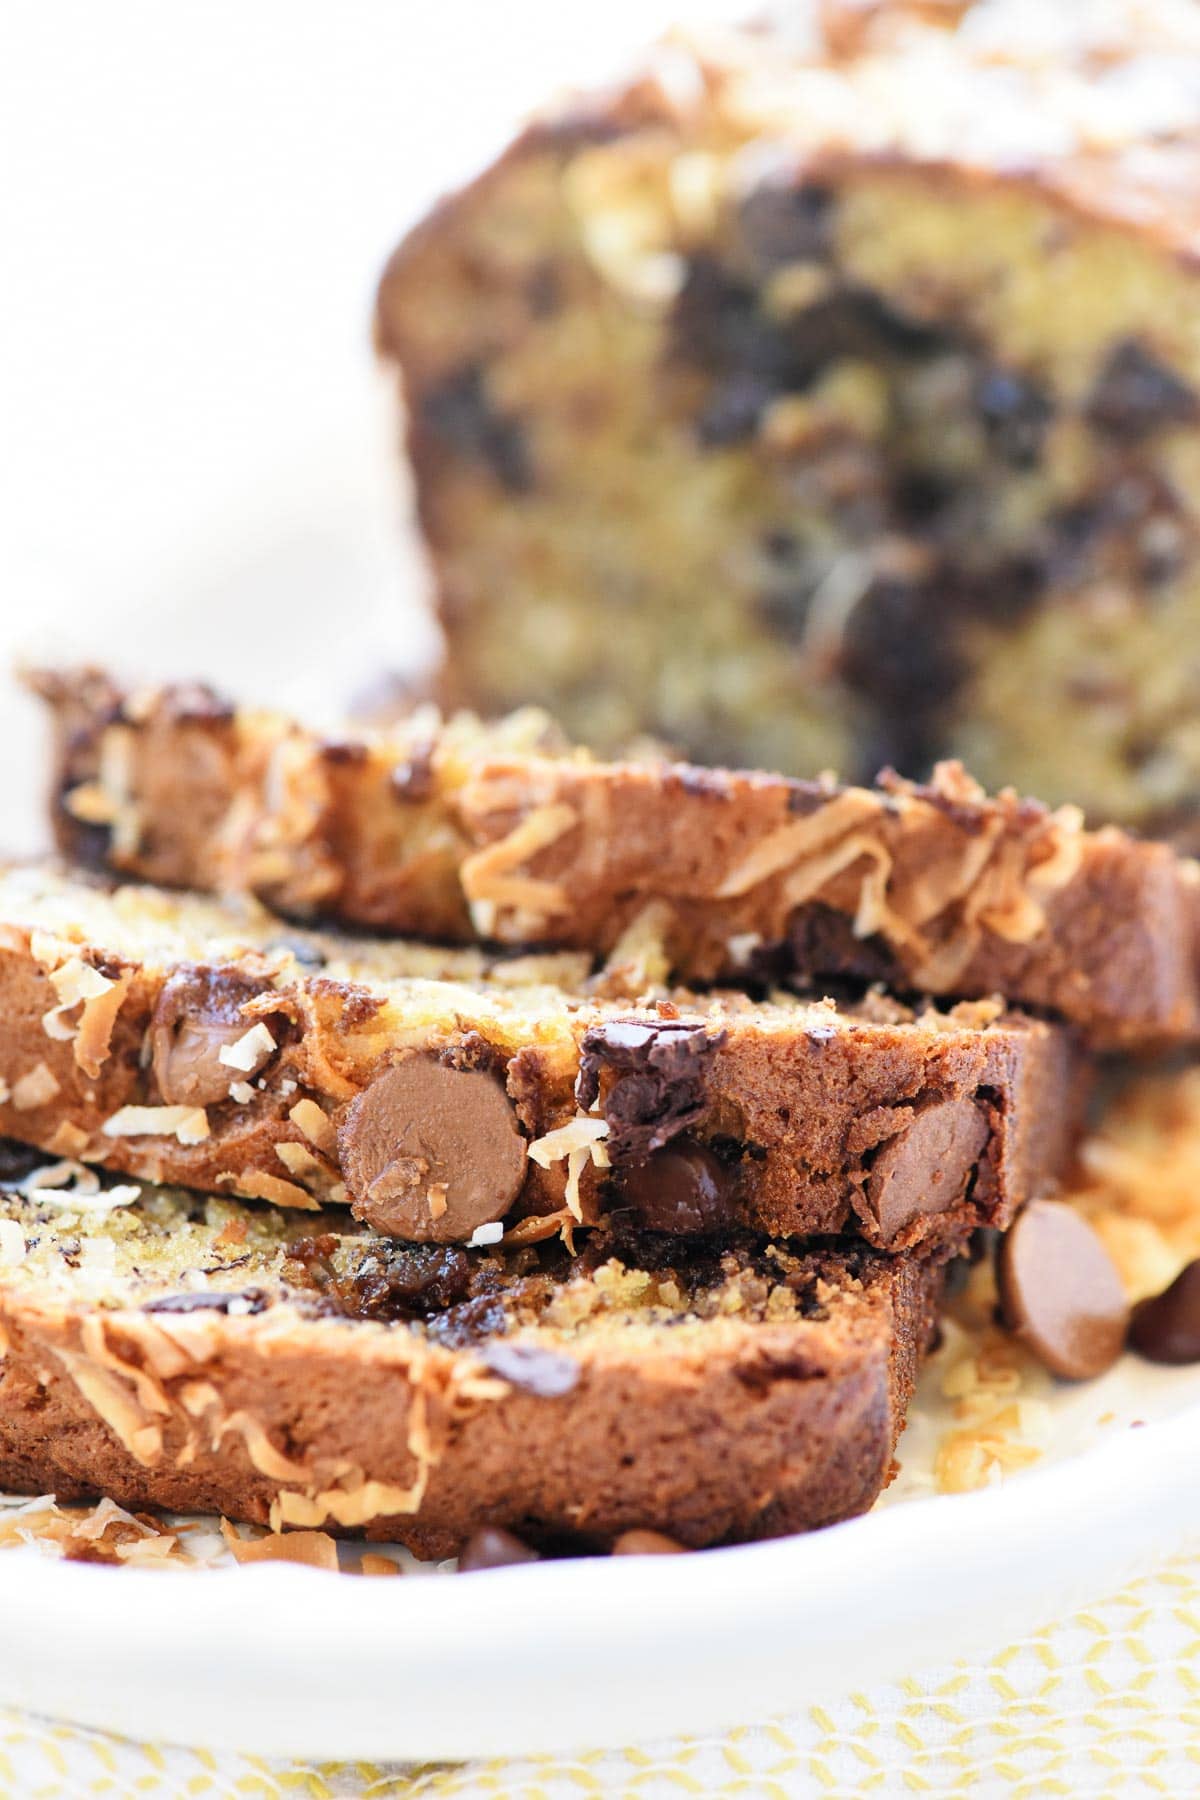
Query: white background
pixel 197 465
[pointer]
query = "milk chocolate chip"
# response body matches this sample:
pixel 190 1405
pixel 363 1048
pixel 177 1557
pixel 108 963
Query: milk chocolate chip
pixel 1166 1329
pixel 681 1189
pixel 1060 1291
pixel 199 1014
pixel 491 1547
pixel 431 1152
pixel 925 1168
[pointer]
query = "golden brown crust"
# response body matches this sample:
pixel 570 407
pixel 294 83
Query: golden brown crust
pixel 681 872
pixel 795 1098
pixel 747 1430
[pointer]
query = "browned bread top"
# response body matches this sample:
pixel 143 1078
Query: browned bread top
pixel 680 873
pixel 205 1355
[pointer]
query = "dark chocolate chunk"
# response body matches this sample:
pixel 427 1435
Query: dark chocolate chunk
pixel 250 1300
pixel 19 1160
pixel 491 1547
pixel 1135 394
pixel 1166 1328
pixel 1016 415
pixel 651 1079
pixel 431 1152
pixel 546 1373
pixel 459 411
pixel 1060 1292
pixel 682 1189
pixel 785 221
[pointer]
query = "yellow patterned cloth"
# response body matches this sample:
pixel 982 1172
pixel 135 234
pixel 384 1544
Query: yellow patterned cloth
pixel 1107 1703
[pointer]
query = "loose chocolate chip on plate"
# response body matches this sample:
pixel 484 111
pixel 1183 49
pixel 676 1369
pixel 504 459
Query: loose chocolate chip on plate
pixel 646 1543
pixel 431 1152
pixel 1166 1328
pixel 491 1547
pixel 925 1168
pixel 681 1189
pixel 1060 1292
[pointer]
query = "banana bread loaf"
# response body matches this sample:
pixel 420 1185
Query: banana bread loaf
pixel 688 873
pixel 454 1097
pixel 171 1350
pixel 828 397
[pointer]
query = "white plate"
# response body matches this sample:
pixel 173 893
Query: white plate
pixel 288 1661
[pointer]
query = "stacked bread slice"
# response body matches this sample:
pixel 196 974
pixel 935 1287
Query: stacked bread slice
pixel 622 1197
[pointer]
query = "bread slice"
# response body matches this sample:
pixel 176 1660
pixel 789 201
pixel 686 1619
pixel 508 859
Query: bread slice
pixel 830 395
pixel 197 1354
pixel 694 874
pixel 445 1091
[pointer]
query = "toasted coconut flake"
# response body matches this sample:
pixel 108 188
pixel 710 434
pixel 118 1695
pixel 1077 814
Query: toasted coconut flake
pixel 36 1088
pixel 489 878
pixel 486 1234
pixel 242 1092
pixel 255 1184
pixel 309 1118
pixel 315 1549
pixel 537 1227
pixel 250 1051
pixel 370 1563
pixel 784 847
pixel 12 1244
pixel 298 1159
pixel 189 1124
pixel 579 1142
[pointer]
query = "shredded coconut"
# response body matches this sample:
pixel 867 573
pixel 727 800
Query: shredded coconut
pixel 250 1051
pixel 189 1124
pixel 37 1088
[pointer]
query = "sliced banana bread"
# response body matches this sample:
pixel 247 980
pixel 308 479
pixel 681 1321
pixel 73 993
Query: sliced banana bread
pixel 830 395
pixel 167 1349
pixel 695 874
pixel 446 1093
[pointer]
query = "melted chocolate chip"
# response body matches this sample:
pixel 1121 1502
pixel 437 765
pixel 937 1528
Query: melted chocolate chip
pixel 651 1077
pixel 1060 1291
pixel 787 221
pixel 460 412
pixel 546 1373
pixel 1135 395
pixel 19 1160
pixel 198 1014
pixel 926 1168
pixel 1166 1328
pixel 491 1547
pixel 682 1189
pixel 431 1152
pixel 1016 415
pixel 250 1300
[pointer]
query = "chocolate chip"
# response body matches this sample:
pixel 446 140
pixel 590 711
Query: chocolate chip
pixel 651 1077
pixel 546 1373
pixel 1016 415
pixel 925 1168
pixel 432 1152
pixel 786 221
pixel 413 780
pixel 1166 1328
pixel 491 1547
pixel 460 412
pixel 249 1301
pixel 19 1160
pixel 646 1543
pixel 1060 1291
pixel 199 1014
pixel 1134 395
pixel 682 1189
